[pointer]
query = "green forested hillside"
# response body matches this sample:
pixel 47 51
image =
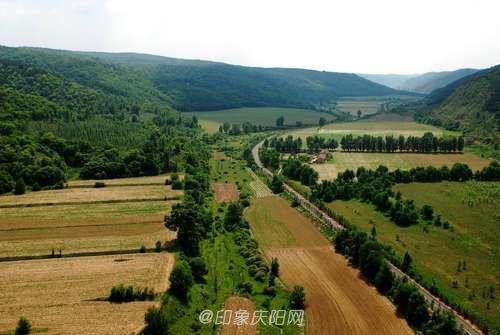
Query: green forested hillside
pixel 471 104
pixel 110 83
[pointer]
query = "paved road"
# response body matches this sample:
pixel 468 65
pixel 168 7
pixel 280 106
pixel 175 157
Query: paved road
pixel 465 325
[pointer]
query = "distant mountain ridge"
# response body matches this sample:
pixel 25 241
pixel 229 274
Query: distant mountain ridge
pixel 105 82
pixel 428 82
pixel 389 80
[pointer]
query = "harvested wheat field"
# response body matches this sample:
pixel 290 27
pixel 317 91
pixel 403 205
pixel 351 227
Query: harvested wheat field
pixel 234 304
pixel 338 301
pixel 225 192
pixel 134 181
pixel 50 293
pixel 89 195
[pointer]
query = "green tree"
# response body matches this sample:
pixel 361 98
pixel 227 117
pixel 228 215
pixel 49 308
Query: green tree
pixel 407 262
pixel 427 212
pixel 280 121
pixel 322 121
pixel 297 298
pixel 198 268
pixel 23 327
pixel 233 216
pixel 20 187
pixel 275 267
pixel 384 278
pixel 276 185
pixel 181 280
pixel 6 182
pixel 156 322
pixel 359 114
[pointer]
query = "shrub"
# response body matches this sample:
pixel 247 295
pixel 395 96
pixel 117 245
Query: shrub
pixel 270 290
pixel 177 185
pixel 142 250
pixel 20 187
pixel 123 293
pixel 99 184
pixel 275 267
pixel 6 182
pixel 158 246
pixel 181 280
pixel 297 298
pixel 198 268
pixel 23 327
pixel 427 212
pixel 245 287
pixel 156 322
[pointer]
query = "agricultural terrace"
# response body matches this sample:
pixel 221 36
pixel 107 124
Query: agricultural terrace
pixel 84 220
pixel 265 116
pixel 341 161
pixel 338 302
pixel 44 291
pixel 471 209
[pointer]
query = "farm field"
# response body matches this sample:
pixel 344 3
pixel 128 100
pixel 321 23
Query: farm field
pixel 377 125
pixel 342 161
pixel 235 304
pixel 265 116
pixel 89 195
pixel 50 293
pixel 258 187
pixel 472 210
pixel 368 105
pixel 77 223
pixel 135 181
pixel 337 300
pixel 225 192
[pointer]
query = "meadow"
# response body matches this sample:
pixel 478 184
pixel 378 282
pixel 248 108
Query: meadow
pixel 265 116
pixel 369 105
pixel 472 211
pixel 341 161
pixel 51 292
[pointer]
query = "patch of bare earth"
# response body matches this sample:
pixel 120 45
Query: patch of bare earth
pixel 225 192
pixel 233 327
pixel 60 294
pixel 338 300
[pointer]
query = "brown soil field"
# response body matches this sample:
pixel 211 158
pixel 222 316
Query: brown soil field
pixel 218 156
pixel 50 293
pixel 86 195
pixel 338 300
pixel 149 180
pixel 225 192
pixel 239 304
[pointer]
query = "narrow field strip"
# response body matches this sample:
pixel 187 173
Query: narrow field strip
pixel 62 203
pixel 258 187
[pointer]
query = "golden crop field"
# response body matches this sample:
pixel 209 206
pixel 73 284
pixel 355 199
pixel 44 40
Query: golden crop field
pixel 342 161
pixel 149 180
pixel 88 195
pixel 50 293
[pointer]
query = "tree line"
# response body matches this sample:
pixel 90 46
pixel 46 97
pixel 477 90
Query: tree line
pixel 428 143
pixel 293 146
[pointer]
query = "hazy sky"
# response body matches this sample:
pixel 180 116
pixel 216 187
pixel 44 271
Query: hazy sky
pixel 371 36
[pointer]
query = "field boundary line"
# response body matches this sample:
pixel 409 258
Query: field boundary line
pixel 113 185
pixel 78 226
pixel 464 324
pixel 79 254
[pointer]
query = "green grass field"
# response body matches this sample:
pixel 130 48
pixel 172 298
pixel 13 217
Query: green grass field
pixel 472 210
pixel 265 116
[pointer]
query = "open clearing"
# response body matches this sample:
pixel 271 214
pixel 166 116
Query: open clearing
pixel 89 195
pixel 50 293
pixel 369 105
pixel 265 116
pixel 472 210
pixel 338 301
pixel 225 192
pixel 235 304
pixel 342 161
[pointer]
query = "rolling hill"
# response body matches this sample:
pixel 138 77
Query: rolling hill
pixel 471 104
pixel 428 82
pixel 106 83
